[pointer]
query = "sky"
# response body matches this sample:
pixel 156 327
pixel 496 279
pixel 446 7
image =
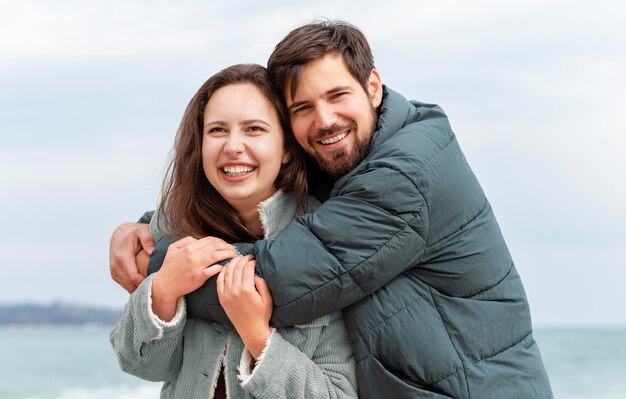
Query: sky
pixel 92 92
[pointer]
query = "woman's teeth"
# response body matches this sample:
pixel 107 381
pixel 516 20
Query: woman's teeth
pixel 237 170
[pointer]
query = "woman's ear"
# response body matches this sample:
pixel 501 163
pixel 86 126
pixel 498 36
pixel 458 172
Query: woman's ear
pixel 286 158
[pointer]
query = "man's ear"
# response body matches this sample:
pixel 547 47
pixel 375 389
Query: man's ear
pixel 375 88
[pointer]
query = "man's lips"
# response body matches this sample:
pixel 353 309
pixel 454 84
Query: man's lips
pixel 333 139
pixel 335 134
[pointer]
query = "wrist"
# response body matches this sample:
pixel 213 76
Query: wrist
pixel 164 301
pixel 256 340
pixel 163 290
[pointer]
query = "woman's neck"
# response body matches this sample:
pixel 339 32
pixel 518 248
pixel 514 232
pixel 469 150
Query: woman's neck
pixel 252 221
pixel 250 214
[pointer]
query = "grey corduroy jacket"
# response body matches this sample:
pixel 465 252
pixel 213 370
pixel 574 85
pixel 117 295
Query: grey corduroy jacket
pixel 309 360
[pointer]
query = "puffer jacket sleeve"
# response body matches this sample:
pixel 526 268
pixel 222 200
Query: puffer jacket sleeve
pixel 321 366
pixel 144 347
pixel 146 217
pixel 371 229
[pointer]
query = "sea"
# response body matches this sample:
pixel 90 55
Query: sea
pixel 78 363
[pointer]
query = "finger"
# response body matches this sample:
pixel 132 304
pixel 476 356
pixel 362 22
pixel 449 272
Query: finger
pixel 211 271
pixel 126 285
pixel 212 250
pixel 215 243
pixel 228 275
pixel 122 256
pixel 241 271
pixel 237 272
pixel 219 249
pixel 247 279
pixel 183 242
pixel 212 257
pixel 136 280
pixel 263 289
pixel 218 244
pixel 125 282
pixel 142 260
pixel 220 284
pixel 215 240
pixel 146 239
pixel 123 270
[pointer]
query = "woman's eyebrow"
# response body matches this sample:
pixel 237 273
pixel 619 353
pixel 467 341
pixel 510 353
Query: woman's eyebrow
pixel 253 121
pixel 215 122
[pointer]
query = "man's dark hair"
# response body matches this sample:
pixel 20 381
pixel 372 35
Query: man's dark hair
pixel 315 40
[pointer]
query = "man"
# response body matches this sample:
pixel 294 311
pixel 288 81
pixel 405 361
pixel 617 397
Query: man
pixel 406 243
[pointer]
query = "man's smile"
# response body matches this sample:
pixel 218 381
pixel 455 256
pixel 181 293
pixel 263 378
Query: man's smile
pixel 333 139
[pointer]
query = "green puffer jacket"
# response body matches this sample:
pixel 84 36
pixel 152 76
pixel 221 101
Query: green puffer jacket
pixel 408 244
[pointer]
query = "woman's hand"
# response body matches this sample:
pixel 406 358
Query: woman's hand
pixel 247 301
pixel 188 263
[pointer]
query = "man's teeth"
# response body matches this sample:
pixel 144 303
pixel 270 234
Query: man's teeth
pixel 334 139
pixel 237 170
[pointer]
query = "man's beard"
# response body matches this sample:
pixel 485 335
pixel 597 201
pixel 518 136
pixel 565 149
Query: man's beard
pixel 342 162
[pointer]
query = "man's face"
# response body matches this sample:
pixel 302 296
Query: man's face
pixel 332 117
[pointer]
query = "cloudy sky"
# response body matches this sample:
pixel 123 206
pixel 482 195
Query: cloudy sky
pixel 91 93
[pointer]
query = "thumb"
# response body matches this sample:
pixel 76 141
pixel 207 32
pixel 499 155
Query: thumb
pixel 147 241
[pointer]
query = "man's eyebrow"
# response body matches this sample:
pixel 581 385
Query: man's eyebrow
pixel 331 91
pixel 338 88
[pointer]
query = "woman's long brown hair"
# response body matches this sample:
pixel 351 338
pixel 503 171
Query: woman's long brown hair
pixel 189 204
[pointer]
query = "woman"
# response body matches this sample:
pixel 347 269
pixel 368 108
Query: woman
pixel 237 174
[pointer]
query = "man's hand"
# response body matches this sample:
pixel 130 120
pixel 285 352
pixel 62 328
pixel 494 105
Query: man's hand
pixel 126 242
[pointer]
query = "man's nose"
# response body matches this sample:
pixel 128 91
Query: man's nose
pixel 325 117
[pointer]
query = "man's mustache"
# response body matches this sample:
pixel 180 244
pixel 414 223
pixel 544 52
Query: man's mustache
pixel 334 129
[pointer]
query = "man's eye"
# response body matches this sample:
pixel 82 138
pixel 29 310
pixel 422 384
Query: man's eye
pixel 340 94
pixel 301 109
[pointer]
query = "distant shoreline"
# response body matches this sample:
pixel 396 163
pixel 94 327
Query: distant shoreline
pixel 59 315
pixel 56 315
pixel 56 327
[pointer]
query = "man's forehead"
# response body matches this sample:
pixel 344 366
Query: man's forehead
pixel 320 76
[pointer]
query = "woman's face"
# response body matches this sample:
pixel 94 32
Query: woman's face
pixel 242 145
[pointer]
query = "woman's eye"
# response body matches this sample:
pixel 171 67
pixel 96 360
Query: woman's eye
pixel 216 130
pixel 256 129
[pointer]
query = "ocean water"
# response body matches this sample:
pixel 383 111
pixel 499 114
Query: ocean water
pixel 65 363
pixel 585 363
pixel 78 363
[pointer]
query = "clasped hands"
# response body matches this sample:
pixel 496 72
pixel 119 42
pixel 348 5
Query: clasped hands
pixel 189 262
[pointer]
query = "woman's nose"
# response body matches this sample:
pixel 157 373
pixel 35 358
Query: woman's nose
pixel 234 144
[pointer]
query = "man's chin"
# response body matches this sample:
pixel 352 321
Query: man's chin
pixel 337 166
pixel 341 161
